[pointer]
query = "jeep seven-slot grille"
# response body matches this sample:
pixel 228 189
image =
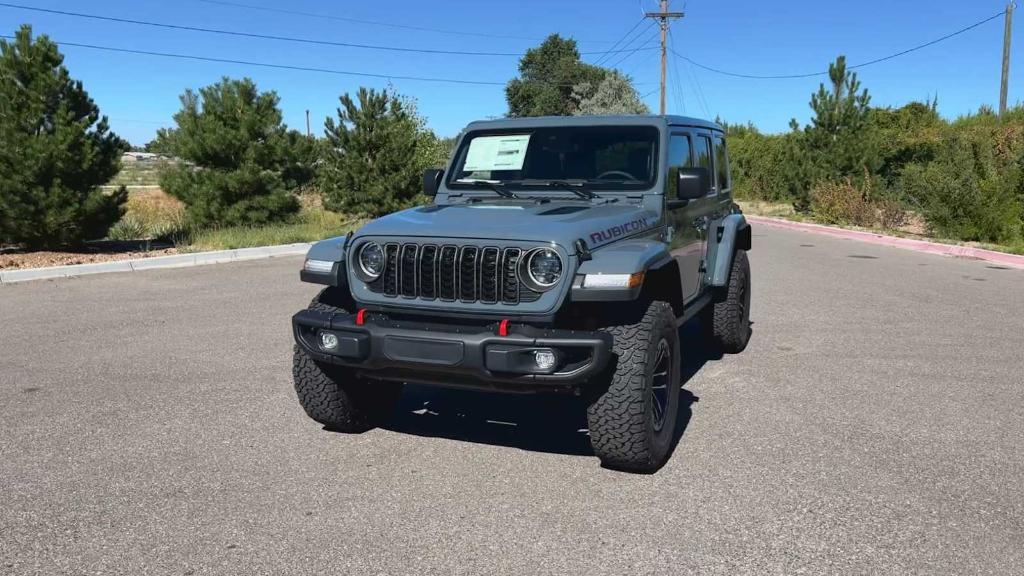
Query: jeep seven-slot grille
pixel 449 273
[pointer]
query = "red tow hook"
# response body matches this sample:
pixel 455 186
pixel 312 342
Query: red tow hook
pixel 361 317
pixel 503 328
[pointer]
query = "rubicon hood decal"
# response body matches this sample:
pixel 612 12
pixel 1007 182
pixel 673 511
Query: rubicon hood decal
pixel 626 229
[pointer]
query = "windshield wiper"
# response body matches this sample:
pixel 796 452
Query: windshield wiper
pixel 495 185
pixel 578 188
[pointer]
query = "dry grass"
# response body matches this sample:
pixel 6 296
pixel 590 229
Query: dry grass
pixel 769 209
pixel 310 226
pixel 150 214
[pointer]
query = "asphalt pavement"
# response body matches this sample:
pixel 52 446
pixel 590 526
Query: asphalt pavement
pixel 874 426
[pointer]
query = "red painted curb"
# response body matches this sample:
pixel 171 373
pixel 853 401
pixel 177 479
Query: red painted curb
pixel 1003 258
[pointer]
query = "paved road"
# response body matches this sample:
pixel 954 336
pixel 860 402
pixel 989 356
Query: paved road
pixel 873 426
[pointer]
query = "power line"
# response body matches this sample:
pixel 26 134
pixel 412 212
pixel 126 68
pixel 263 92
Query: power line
pixel 276 66
pixel 632 52
pixel 616 44
pixel 677 86
pixel 855 66
pixel 487 34
pixel 270 36
pixel 699 91
pixel 268 65
pixel 625 47
pixel 620 61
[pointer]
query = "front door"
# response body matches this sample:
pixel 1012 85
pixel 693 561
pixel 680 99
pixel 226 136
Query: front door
pixel 688 220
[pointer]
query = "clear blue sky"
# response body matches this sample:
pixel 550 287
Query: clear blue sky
pixel 140 93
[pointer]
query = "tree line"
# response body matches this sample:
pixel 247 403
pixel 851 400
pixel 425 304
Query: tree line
pixel 864 165
pixel 238 163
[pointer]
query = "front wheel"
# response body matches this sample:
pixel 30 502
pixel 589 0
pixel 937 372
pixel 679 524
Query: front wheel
pixel 633 415
pixel 334 395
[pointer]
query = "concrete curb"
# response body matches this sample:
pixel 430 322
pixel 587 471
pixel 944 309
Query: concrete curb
pixel 155 263
pixel 1012 260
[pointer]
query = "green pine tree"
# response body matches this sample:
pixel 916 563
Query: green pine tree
pixel 374 154
pixel 237 154
pixel 55 150
pixel 840 133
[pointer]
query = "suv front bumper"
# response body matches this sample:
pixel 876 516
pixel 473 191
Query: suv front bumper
pixel 453 354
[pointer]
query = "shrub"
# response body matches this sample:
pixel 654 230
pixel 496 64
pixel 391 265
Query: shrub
pixel 892 215
pixel 842 203
pixel 973 189
pixel 56 151
pixel 128 228
pixel 237 155
pixel 150 216
pixel 765 167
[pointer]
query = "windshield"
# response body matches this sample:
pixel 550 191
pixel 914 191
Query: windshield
pixel 602 157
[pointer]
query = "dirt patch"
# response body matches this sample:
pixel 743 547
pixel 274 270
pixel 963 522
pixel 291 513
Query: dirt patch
pixel 104 251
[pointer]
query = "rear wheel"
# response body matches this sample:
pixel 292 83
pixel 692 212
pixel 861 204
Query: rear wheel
pixel 727 321
pixel 633 414
pixel 333 395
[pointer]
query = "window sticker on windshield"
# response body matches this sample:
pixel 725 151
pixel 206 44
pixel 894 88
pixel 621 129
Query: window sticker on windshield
pixel 496 153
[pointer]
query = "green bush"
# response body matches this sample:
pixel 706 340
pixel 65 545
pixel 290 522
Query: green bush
pixel 128 228
pixel 375 155
pixel 967 193
pixel 765 167
pixel 55 151
pixel 239 160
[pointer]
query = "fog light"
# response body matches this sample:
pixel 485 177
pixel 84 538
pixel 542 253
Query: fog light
pixel 328 341
pixel 545 359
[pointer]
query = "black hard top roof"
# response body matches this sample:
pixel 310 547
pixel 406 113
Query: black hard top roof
pixel 619 120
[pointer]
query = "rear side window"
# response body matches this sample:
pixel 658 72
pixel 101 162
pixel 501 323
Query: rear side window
pixel 722 164
pixel 702 152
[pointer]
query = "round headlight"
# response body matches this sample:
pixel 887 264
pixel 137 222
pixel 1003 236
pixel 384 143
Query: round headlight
pixel 544 267
pixel 371 260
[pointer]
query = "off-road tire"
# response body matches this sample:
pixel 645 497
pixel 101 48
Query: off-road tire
pixel 620 412
pixel 333 395
pixel 727 321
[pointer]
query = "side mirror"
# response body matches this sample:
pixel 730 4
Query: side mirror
pixel 692 183
pixel 432 178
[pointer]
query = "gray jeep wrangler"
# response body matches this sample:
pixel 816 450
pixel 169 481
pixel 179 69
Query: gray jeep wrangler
pixel 559 255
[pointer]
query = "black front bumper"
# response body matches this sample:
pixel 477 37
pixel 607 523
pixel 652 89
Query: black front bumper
pixel 459 355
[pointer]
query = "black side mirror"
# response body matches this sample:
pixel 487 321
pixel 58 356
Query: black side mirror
pixel 432 178
pixel 692 183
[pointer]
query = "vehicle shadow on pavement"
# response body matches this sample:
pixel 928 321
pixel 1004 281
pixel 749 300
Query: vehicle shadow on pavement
pixel 537 423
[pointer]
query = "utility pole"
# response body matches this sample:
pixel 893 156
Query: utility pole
pixel 663 17
pixel 308 133
pixel 1007 33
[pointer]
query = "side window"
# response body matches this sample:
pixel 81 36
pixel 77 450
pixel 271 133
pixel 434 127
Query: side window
pixel 679 156
pixel 702 152
pixel 679 151
pixel 722 164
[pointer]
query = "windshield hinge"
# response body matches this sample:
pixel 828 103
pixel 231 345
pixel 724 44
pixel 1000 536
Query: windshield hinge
pixel 582 252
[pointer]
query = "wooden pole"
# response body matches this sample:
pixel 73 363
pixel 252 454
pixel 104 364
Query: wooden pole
pixel 1007 33
pixel 663 18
